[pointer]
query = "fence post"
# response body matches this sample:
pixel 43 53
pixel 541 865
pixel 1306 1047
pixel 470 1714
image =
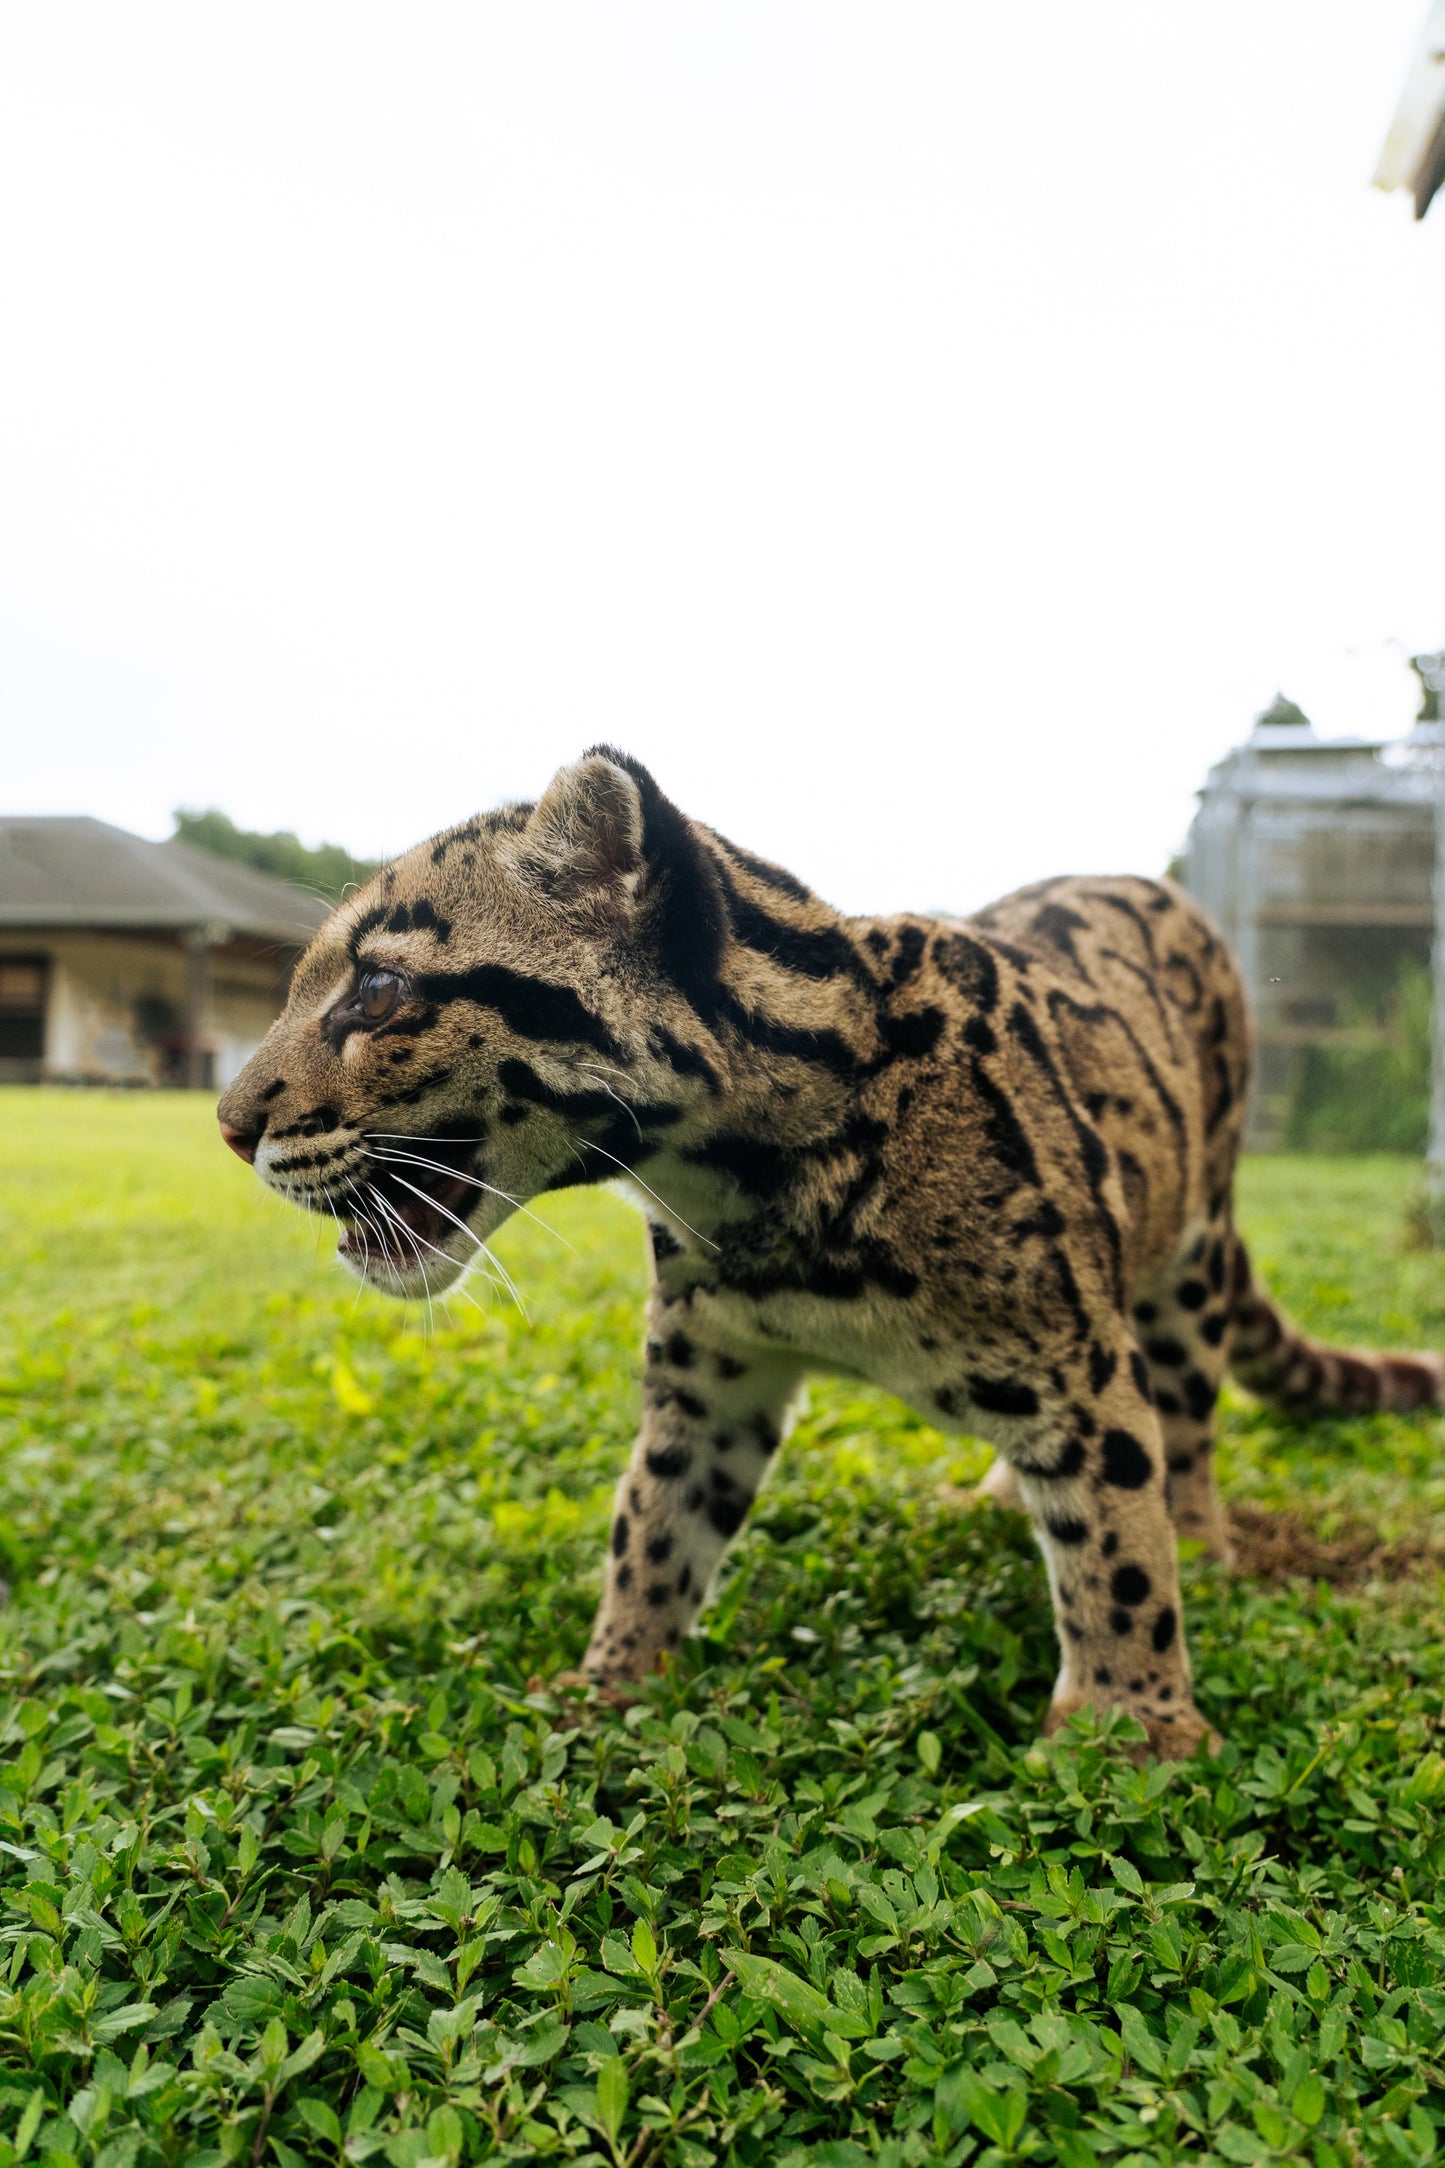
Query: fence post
pixel 1432 677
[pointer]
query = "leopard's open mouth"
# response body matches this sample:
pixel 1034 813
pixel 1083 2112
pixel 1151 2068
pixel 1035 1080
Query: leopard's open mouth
pixel 410 1203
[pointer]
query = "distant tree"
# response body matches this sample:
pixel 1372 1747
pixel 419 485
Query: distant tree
pixel 1284 711
pixel 326 868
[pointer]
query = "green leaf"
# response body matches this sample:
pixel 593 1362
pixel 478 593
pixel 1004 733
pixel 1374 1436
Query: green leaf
pixel 444 2025
pixel 1269 2123
pixel 29 2122
pixel 1308 2101
pixel 301 2058
pixel 875 1903
pixel 540 2043
pixel 451 1900
pixel 953 1819
pixel 444 2133
pixel 429 1967
pixel 612 2094
pixel 766 1981
pixel 618 1956
pixel 1426 1780
pixel 546 1967
pixel 1140 2044
pixel 322 2118
pixel 644 1947
pixel 251 1999
pixel 126 2019
pixel 999 2115
pixel 380 2071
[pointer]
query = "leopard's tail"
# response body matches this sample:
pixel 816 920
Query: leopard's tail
pixel 1274 1359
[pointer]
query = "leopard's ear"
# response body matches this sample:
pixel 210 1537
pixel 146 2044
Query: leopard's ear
pixel 584 839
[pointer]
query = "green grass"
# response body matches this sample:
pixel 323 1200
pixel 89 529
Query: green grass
pixel 295 1866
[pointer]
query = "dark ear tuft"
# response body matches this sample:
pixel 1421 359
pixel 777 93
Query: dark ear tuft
pixel 687 912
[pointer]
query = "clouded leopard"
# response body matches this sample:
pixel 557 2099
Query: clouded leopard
pixel 985 1163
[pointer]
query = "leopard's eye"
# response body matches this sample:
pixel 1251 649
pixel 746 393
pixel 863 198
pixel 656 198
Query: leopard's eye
pixel 378 994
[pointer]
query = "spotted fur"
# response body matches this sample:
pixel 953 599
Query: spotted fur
pixel 985 1163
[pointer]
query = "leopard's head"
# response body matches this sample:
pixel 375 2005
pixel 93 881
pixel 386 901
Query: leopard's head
pixel 500 1012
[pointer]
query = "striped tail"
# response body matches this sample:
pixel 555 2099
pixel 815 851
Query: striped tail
pixel 1282 1365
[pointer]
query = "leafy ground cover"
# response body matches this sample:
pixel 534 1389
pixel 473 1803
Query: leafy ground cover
pixel 296 1864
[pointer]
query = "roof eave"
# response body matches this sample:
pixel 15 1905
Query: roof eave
pixel 1413 156
pixel 79 918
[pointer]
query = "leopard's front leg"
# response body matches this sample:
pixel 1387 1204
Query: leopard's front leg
pixel 713 1417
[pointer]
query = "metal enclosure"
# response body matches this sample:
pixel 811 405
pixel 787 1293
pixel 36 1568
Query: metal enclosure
pixel 1316 859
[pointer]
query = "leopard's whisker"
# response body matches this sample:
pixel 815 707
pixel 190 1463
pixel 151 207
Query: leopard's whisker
pixel 630 1112
pixel 376 1232
pixel 406 1159
pixel 490 1255
pixel 341 1229
pixel 413 1238
pixel 371 1225
pixel 392 1214
pixel 390 1219
pixel 586 1144
pixel 435 1167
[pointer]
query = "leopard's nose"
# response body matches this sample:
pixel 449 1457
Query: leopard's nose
pixel 243 1142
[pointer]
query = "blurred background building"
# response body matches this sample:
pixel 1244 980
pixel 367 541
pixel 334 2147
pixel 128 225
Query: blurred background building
pixel 129 962
pixel 1316 857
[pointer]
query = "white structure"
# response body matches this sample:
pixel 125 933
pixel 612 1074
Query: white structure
pixel 1414 153
pixel 128 962
pixel 1414 158
pixel 1316 858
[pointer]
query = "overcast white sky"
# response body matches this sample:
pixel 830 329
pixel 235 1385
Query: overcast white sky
pixel 924 433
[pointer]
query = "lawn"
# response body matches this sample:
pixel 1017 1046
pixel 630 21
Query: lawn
pixel 296 1865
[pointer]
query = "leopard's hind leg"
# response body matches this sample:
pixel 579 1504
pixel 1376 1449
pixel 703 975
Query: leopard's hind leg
pixel 1183 1321
pixel 1182 1317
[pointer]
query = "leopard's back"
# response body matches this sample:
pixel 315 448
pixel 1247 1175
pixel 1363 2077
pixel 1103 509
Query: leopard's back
pixel 1151 1027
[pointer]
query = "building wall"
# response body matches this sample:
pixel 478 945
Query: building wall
pixel 117 1005
pixel 246 998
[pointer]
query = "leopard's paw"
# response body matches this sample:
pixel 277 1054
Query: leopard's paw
pixel 1176 1734
pixel 1211 1532
pixel 584 1696
pixel 1172 1734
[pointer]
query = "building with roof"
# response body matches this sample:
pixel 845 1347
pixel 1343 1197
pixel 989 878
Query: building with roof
pixel 129 962
pixel 1316 858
